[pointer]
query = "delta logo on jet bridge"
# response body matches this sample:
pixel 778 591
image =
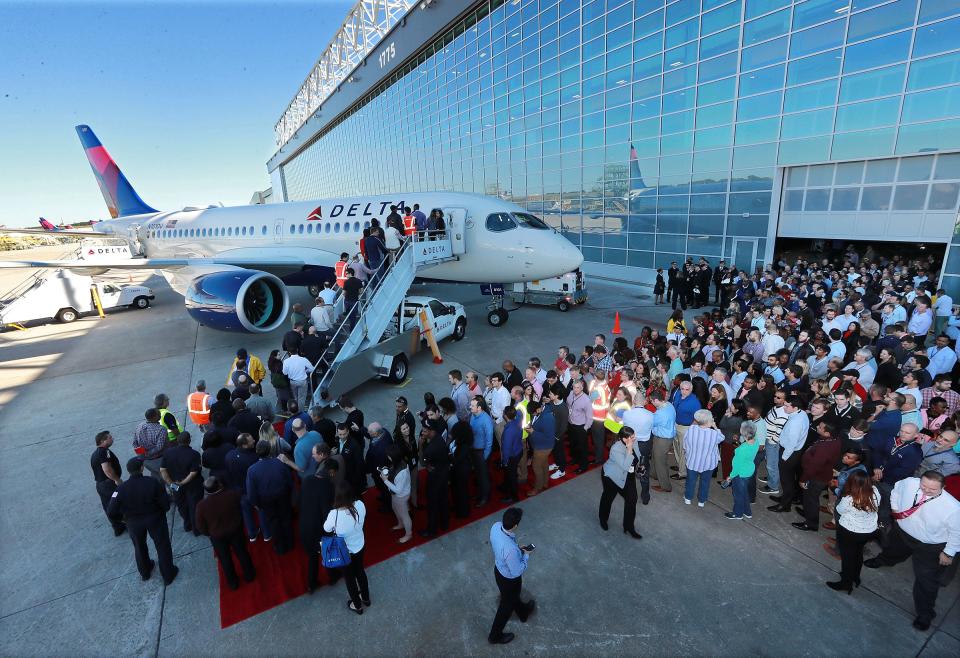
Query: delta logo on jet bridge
pixel 353 210
pixel 90 250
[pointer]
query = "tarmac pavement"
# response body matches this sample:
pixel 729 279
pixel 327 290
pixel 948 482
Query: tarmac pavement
pixel 696 584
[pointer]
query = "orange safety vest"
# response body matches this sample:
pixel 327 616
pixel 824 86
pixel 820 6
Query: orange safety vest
pixel 198 406
pixel 341 271
pixel 409 225
pixel 602 401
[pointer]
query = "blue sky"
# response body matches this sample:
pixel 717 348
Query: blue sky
pixel 183 95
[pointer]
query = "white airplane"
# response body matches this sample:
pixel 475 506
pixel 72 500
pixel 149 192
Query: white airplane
pixel 233 263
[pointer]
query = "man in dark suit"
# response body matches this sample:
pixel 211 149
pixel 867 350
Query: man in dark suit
pixel 436 457
pixel 293 338
pixel 219 517
pixel 268 488
pixel 143 504
pixel 180 469
pixel 719 274
pixel 316 499
pixel 352 452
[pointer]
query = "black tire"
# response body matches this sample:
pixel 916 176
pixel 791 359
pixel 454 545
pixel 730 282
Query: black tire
pixel 460 329
pixel 504 316
pixel 140 303
pixel 563 306
pixel 67 315
pixel 494 319
pixel 314 291
pixel 398 369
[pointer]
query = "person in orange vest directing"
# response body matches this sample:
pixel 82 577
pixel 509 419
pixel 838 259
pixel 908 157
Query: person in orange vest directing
pixel 600 401
pixel 409 223
pixel 340 269
pixel 198 406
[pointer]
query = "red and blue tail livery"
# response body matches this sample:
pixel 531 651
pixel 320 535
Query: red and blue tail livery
pixel 122 200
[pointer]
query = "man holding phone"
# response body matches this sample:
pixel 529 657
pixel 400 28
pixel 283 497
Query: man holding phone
pixel 510 561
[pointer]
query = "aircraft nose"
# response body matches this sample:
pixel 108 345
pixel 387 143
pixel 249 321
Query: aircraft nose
pixel 569 257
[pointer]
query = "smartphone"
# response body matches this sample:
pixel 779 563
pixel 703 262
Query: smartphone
pixel 528 547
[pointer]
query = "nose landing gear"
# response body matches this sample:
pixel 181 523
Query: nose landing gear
pixel 497 316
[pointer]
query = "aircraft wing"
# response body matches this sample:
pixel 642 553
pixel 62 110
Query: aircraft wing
pixel 99 266
pixel 58 233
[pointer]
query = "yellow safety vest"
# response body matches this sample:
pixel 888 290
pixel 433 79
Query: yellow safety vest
pixel 170 433
pixel 521 408
pixel 613 422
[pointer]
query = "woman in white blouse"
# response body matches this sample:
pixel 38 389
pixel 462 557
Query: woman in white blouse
pixel 346 520
pixel 396 477
pixel 858 521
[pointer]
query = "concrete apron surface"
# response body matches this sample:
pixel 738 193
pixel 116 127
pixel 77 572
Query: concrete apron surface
pixel 696 584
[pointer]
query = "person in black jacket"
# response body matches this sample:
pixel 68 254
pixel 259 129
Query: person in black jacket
pixel 380 442
pixel 719 274
pixel 462 436
pixel 181 470
pixel 436 458
pixel 219 517
pixel 352 452
pixel 143 504
pixel 672 273
pixel 316 499
pixel 680 290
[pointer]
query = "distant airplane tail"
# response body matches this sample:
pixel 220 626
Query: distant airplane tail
pixel 121 198
pixel 636 178
pixel 47 226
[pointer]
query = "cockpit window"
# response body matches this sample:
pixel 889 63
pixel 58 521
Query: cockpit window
pixel 499 222
pixel 530 221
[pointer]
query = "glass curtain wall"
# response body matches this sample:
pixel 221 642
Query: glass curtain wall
pixel 647 131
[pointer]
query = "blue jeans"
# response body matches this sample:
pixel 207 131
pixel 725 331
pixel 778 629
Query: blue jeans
pixel 773 465
pixel 249 520
pixel 741 496
pixel 704 489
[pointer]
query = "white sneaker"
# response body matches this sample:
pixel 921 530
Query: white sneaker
pixel 699 504
pixel 557 475
pixel 553 467
pixel 686 501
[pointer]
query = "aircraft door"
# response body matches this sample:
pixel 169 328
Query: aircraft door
pixel 133 239
pixel 457 229
pixel 278 230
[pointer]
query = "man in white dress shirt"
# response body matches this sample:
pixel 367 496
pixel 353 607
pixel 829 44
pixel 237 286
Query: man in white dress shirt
pixel 927 529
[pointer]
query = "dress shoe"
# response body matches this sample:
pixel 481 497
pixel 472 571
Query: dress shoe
pixel 674 468
pixel 506 638
pixel 365 602
pixel 358 610
pixel 603 524
pixel 531 607
pixel 776 499
pixel 678 477
pixel 149 570
pixel 921 624
pixel 632 533
pixel 802 525
pixel 873 563
pixel 119 531
pixel 172 578
pixel 840 586
pixel 777 508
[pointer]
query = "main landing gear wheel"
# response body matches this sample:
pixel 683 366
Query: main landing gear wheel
pixel 497 317
pixel 314 291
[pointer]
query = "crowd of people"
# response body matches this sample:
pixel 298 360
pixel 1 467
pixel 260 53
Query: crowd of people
pixel 828 387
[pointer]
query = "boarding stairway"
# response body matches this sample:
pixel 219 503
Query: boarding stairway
pixel 34 279
pixel 365 324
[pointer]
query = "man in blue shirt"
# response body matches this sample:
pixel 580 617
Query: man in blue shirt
pixel 510 561
pixel 686 404
pixel 511 447
pixel 482 425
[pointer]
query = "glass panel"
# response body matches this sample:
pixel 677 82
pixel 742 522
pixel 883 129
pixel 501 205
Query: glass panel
pixel 849 173
pixel 915 169
pixel 871 84
pixel 876 198
pixel 816 11
pixel 817 200
pixel 721 18
pixel 714 115
pixel 934 72
pixel 807 124
pixel 714 92
pixel 935 104
pixel 921 137
pixel 714 137
pixel 845 198
pixel 943 196
pixel 759 7
pixel 936 38
pixel 793 201
pixel 810 149
pixel 764 54
pixel 948 167
pixel 718 68
pixel 797 177
pixel 931 9
pixel 822 37
pixel 824 65
pixel 681 33
pixel 767 27
pixel 877 52
pixel 881 171
pixel 909 197
pixel 756 107
pixel 871 114
pixel 720 42
pixel 820 176
pixel 682 10
pixel 761 81
pixel 863 144
pixel 888 18
pixel 756 132
pixel 819 94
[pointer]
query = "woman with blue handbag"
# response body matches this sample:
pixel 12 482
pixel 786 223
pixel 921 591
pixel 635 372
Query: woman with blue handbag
pixel 345 521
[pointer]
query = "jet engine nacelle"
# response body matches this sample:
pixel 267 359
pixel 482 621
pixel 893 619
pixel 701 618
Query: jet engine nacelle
pixel 238 300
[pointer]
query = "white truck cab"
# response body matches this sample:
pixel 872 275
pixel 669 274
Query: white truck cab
pixel 448 319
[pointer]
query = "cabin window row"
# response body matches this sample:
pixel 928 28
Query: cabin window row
pixel 245 231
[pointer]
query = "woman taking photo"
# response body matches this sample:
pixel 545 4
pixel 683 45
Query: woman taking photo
pixel 620 477
pixel 346 520
pixel 396 477
pixel 857 524
pixel 407 442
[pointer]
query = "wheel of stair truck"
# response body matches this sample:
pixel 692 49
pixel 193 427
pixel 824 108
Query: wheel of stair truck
pixel 66 315
pixel 398 369
pixel 563 305
pixel 460 329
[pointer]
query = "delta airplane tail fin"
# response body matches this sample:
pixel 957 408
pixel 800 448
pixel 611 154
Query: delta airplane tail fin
pixel 121 198
pixel 47 226
pixel 636 178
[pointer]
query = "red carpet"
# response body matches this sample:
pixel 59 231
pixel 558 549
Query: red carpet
pixel 284 577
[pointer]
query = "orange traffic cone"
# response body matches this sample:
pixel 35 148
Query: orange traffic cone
pixel 616 325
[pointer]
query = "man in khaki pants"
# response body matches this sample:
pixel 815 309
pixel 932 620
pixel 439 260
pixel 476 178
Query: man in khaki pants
pixel 686 404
